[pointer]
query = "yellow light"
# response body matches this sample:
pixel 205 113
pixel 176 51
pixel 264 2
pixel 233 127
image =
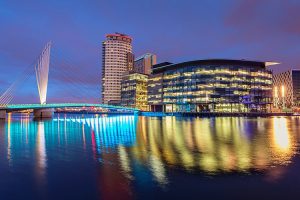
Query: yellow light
pixel 282 141
pixel 125 162
pixel 206 98
pixel 282 91
pixel 276 92
pixel 281 134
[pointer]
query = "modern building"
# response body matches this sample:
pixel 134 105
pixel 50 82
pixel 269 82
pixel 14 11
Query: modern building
pixel 134 90
pixel 286 89
pixel 130 61
pixel 155 88
pixel 215 85
pixel 155 94
pixel 144 63
pixel 117 58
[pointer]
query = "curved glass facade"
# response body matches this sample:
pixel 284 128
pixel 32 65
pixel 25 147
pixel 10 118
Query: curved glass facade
pixel 217 87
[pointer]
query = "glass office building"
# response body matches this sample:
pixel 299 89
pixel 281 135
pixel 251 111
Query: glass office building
pixel 214 85
pixel 134 90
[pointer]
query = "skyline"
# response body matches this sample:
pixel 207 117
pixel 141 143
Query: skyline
pixel 174 31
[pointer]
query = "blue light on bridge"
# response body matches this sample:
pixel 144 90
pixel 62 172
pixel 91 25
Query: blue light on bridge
pixel 65 105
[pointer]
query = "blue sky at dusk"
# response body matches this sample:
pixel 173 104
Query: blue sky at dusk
pixel 265 30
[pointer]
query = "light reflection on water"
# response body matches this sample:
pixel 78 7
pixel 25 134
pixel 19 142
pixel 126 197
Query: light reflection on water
pixel 215 145
pixel 120 151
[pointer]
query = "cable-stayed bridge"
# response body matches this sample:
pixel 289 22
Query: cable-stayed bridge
pixel 40 71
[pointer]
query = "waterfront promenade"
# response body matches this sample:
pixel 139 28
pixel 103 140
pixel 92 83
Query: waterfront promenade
pixel 218 114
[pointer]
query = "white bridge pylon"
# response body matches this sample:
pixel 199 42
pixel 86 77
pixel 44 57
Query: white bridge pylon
pixel 42 71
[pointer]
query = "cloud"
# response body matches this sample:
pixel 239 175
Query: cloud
pixel 269 29
pixel 175 30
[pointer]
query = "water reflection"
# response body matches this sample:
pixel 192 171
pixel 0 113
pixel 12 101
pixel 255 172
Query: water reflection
pixel 117 152
pixel 213 145
pixel 125 162
pixel 281 135
pixel 9 139
pixel 41 155
pixel 107 131
pixel 282 143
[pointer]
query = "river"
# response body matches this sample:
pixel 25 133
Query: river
pixel 134 157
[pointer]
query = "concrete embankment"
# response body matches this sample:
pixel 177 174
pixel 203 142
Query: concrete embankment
pixel 214 114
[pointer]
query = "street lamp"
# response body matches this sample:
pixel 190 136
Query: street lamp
pixel 283 96
pixel 276 96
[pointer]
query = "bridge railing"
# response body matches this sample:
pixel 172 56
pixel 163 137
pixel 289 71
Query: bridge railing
pixel 65 105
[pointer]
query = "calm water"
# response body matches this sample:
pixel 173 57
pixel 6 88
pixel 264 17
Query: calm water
pixel 130 157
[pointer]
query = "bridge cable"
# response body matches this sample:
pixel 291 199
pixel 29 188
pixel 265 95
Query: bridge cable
pixel 8 95
pixel 68 63
pixel 67 71
pixel 71 85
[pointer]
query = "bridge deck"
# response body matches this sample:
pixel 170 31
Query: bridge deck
pixel 62 105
